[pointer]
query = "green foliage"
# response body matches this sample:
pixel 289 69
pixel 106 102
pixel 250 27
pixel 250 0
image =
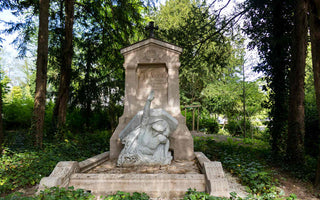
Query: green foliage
pixel 226 98
pixel 17 113
pixel 243 161
pixel 62 193
pixel 190 25
pixel 53 194
pixel 249 159
pixel 192 194
pixel 127 196
pixel 207 123
pixel 25 167
pixel 236 128
pixel 4 84
pixel 97 84
pixel 79 120
pixel 269 25
pixel 312 129
pixel 210 124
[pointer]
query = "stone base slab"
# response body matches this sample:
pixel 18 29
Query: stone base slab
pixel 156 185
pixel 164 186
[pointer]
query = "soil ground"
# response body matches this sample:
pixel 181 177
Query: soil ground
pixel 303 190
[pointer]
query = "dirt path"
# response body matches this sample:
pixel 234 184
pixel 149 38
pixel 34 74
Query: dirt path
pixel 303 190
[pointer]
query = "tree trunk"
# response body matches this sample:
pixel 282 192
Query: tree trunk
pixel 41 77
pixel 314 10
pixel 65 72
pixel 295 142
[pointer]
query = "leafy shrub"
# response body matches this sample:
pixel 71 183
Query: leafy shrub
pixel 55 193
pixel 210 124
pixel 62 193
pixel 192 194
pixel 207 123
pixel 79 120
pixel 18 113
pixel 128 196
pixel 235 128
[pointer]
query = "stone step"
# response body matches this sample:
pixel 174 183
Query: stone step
pixel 166 186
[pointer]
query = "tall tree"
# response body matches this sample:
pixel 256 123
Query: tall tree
pixel 269 25
pixel 314 11
pixel 206 42
pixel 1 122
pixel 98 81
pixel 296 128
pixel 41 77
pixel 60 110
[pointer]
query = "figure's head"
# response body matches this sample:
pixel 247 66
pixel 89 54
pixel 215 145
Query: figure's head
pixel 160 126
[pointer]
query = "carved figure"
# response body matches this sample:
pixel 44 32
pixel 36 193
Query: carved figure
pixel 146 137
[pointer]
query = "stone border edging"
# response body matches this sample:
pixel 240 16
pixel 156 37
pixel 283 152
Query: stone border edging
pixel 216 183
pixel 60 175
pixel 94 161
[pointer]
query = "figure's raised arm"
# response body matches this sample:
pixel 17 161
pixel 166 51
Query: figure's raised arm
pixel 151 96
pixel 146 110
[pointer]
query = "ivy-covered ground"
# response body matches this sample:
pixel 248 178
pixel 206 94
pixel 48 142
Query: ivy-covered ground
pixel 250 160
pixel 247 159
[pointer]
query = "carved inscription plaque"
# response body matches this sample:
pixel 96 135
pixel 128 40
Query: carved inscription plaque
pixel 153 77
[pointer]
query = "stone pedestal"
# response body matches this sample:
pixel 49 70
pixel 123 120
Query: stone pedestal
pixel 95 175
pixel 153 65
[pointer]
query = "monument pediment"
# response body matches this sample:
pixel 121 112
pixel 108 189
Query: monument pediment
pixel 151 42
pixel 151 51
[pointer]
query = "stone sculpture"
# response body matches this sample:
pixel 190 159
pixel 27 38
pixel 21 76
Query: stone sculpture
pixel 146 137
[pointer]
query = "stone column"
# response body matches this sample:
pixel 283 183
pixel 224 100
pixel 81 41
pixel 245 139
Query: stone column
pixel 173 88
pixel 181 141
pixel 130 96
pixel 130 89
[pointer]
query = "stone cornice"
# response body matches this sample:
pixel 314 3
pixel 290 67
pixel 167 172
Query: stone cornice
pixel 151 41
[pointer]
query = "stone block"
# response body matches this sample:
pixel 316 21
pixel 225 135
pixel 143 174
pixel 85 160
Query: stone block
pixel 201 158
pixel 216 183
pixel 162 186
pixel 51 182
pixel 213 170
pixel 94 161
pixel 218 187
pixel 60 175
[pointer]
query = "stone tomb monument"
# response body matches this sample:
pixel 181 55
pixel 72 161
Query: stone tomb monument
pixel 153 65
pixel 151 150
